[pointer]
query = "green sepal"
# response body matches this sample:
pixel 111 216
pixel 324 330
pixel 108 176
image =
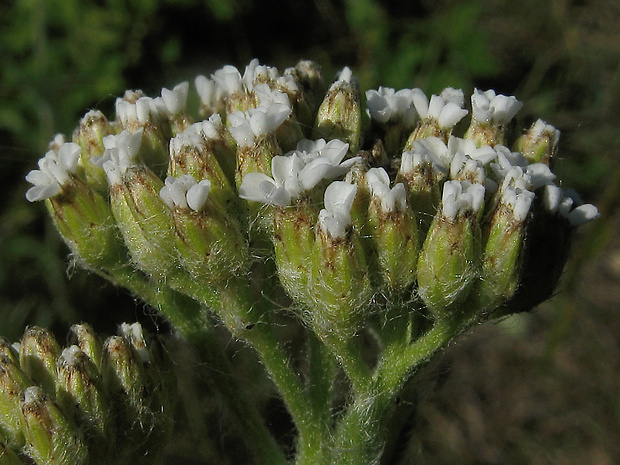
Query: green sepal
pixel 293 239
pixel 448 264
pixel 84 220
pixel 395 239
pixel 340 285
pixel 340 116
pixel 38 354
pixel 145 221
pixel 50 437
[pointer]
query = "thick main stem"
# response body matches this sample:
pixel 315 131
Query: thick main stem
pixel 361 435
pixel 312 431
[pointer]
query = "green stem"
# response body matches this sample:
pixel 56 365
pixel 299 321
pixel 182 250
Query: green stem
pixel 193 322
pixel 238 302
pixel 348 354
pixel 361 435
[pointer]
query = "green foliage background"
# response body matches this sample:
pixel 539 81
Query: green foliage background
pixel 562 58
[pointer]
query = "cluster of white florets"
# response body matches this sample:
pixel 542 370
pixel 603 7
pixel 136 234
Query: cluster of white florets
pixel 468 173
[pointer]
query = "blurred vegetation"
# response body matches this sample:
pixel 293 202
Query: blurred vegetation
pixel 62 57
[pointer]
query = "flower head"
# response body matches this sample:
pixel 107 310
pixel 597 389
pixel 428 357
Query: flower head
pixel 55 171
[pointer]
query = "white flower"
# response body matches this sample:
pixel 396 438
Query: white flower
pixel 120 154
pixel 461 198
pixel 297 172
pixel 228 79
pixel 256 73
pixel 490 107
pixel 246 127
pixel 345 75
pixel 386 104
pixel 280 189
pixel 185 192
pixel 446 108
pixel 268 96
pixel 55 170
pixel 568 205
pixel 540 129
pixel 390 199
pixel 540 174
pixel 519 200
pixel 175 100
pixel 208 91
pixel 335 218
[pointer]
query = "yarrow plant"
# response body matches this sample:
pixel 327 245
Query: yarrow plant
pixel 379 232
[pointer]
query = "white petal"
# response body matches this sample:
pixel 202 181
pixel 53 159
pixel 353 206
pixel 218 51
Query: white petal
pixel 176 99
pixel 197 195
pixel 583 214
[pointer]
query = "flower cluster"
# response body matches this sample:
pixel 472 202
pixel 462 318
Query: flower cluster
pixel 74 405
pixel 392 214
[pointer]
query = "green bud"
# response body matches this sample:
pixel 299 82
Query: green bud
pixel 339 116
pixel 143 419
pixel 84 220
pixel 205 150
pixel 393 230
pixel 145 221
pixel 38 354
pixel 13 382
pixel 8 456
pixel 539 144
pixel 423 182
pixel 340 283
pixel 89 135
pixel 50 437
pixel 83 336
pixel 80 395
pixel 503 250
pixel 308 76
pixel 293 240
pixel 210 242
pixel 448 264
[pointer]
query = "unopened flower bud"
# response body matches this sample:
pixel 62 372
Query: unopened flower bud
pixel 80 394
pixel 539 144
pixel 13 382
pixel 38 354
pixel 83 336
pixel 293 239
pixel 143 218
pixel 206 150
pixel 143 422
pixel 503 250
pixel 449 259
pixel 308 76
pixel 50 437
pixel 339 116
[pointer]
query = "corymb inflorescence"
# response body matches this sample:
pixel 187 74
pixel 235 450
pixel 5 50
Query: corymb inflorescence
pixel 404 215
